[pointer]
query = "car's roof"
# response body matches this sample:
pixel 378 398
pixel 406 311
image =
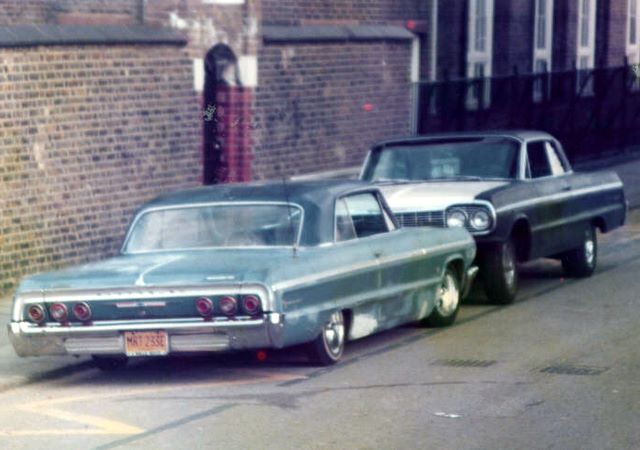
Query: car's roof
pixel 317 198
pixel 519 135
pixel 317 191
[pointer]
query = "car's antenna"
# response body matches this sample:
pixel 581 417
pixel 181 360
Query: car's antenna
pixel 291 227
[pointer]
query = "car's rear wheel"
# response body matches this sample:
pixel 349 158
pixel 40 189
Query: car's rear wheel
pixel 447 301
pixel 499 273
pixel 582 261
pixel 328 347
pixel 111 362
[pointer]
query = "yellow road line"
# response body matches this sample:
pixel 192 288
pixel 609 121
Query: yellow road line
pixel 107 426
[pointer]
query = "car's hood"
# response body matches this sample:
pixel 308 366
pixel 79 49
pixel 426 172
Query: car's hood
pixel 433 196
pixel 164 269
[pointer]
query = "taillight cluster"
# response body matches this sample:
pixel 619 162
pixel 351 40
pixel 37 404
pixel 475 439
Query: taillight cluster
pixel 229 306
pixel 59 312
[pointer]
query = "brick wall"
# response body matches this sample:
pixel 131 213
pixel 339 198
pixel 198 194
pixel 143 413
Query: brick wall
pixel 295 12
pixel 205 24
pixel 513 36
pixel 452 39
pixel 13 12
pixel 86 135
pixel 320 106
pixel 614 29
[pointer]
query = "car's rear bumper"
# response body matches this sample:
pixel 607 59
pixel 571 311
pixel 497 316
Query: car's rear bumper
pixel 185 336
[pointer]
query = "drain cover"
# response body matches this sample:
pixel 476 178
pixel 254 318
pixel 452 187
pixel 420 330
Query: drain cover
pixel 565 369
pixel 463 363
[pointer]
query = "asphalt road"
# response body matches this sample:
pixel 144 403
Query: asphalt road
pixel 559 369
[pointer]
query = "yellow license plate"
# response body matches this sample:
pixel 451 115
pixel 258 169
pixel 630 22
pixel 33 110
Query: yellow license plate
pixel 146 343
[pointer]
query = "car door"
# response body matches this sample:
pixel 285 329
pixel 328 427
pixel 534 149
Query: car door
pixel 362 218
pixel 549 216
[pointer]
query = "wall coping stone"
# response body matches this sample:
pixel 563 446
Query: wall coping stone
pixel 334 33
pixel 50 34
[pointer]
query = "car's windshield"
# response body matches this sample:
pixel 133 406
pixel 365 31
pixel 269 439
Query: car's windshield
pixel 218 225
pixel 461 159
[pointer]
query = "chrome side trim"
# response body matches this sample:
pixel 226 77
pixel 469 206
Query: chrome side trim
pixel 577 217
pixel 560 196
pixel 339 271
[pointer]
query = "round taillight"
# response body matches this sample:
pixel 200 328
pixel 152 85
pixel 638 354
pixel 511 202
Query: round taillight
pixel 204 306
pixel 82 311
pixel 36 313
pixel 228 305
pixel 58 312
pixel 251 304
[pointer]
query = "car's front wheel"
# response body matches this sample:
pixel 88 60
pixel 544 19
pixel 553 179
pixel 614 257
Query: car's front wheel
pixel 581 262
pixel 499 272
pixel 447 301
pixel 328 347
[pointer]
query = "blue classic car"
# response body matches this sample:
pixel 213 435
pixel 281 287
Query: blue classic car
pixel 514 191
pixel 248 266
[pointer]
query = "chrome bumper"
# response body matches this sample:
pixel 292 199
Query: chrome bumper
pixel 470 276
pixel 185 335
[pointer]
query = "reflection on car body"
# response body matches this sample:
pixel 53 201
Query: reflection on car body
pixel 514 191
pixel 252 266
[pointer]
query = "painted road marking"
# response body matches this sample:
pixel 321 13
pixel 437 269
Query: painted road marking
pixel 103 426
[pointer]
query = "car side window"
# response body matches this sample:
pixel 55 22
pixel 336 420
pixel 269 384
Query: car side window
pixel 344 225
pixel 366 214
pixel 538 160
pixel 557 168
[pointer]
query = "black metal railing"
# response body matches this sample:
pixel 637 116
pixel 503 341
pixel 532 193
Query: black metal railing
pixel 593 112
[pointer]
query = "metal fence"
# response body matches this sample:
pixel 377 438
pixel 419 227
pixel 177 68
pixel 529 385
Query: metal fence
pixel 592 112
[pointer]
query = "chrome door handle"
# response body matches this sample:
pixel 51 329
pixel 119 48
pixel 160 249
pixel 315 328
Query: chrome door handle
pixel 566 188
pixel 377 254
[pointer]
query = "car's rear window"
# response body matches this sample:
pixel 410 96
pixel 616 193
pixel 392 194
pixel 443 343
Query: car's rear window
pixel 483 158
pixel 219 225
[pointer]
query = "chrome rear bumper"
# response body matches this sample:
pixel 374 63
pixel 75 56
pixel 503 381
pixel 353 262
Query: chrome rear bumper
pixel 185 335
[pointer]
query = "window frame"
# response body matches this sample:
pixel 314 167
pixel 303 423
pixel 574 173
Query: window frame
pixel 544 54
pixel 557 148
pixel 138 216
pixel 588 51
pixel 483 56
pixel 389 219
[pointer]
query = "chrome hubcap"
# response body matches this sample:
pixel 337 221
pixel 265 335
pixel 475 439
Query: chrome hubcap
pixel 509 265
pixel 449 296
pixel 333 333
pixel 590 250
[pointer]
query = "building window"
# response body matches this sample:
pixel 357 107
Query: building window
pixel 586 45
pixel 633 48
pixel 632 24
pixel 543 39
pixel 480 52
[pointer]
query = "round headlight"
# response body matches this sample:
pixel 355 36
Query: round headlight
pixel 480 220
pixel 456 218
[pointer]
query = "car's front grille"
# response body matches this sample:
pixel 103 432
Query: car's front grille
pixel 421 219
